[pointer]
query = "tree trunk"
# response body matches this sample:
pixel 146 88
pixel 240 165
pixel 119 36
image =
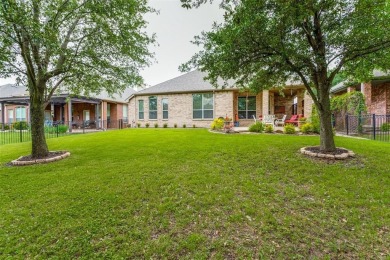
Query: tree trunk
pixel 39 146
pixel 326 129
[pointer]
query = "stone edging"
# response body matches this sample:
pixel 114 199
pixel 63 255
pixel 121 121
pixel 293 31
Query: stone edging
pixel 52 159
pixel 342 156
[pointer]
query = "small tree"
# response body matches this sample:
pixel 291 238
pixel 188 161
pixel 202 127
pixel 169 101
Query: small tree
pixel 264 44
pixel 85 45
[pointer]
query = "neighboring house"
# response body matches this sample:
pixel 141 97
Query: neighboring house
pixel 190 100
pixel 99 111
pixel 376 92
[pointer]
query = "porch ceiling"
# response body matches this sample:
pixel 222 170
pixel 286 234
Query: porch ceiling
pixel 289 91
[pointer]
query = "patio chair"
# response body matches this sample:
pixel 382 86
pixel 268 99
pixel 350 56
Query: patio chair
pixel 280 121
pixel 269 120
pixel 293 120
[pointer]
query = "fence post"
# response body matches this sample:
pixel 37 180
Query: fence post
pixel 20 131
pixel 374 126
pixel 347 123
pixel 83 122
pixel 57 129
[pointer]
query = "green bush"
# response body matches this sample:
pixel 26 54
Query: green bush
pixel 217 124
pixel 315 120
pixel 184 126
pixel 138 125
pixel 175 125
pixel 155 125
pixel 257 127
pixel 147 125
pixel 289 129
pixel 165 125
pixel 193 126
pixel 306 128
pixel 269 129
pixel 62 129
pixel 21 125
pixel 6 127
pixel 385 127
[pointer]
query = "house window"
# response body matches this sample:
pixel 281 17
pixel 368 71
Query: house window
pixel 140 109
pixel 108 112
pixel 86 116
pixel 124 113
pixel 165 108
pixel 21 114
pixel 153 107
pixel 10 116
pixel 203 106
pixel 246 107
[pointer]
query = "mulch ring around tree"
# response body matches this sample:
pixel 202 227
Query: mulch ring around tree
pixel 339 154
pixel 28 160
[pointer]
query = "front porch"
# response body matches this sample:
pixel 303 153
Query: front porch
pixel 289 101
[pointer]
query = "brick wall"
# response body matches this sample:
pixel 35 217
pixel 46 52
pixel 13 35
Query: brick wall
pixel 180 109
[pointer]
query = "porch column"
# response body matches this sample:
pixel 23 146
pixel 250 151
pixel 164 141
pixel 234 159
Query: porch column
pixel 61 107
pixel 70 115
pixel 300 98
pixel 29 114
pixel 97 115
pixel 2 115
pixel 265 108
pixel 52 111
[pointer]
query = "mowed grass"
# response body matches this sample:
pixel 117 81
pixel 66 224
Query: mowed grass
pixel 188 193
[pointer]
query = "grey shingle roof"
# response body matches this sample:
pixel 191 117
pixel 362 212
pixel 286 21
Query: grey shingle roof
pixel 344 84
pixel 10 90
pixel 190 82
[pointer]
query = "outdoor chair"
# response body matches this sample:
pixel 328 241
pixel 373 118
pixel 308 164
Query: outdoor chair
pixel 269 120
pixel 293 120
pixel 280 121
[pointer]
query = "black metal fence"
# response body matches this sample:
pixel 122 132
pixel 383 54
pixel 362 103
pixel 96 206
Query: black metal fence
pixel 372 126
pixel 21 131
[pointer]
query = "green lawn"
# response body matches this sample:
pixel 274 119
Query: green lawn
pixel 188 193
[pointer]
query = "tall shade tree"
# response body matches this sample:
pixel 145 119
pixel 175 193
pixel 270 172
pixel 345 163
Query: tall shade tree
pixel 262 44
pixel 85 45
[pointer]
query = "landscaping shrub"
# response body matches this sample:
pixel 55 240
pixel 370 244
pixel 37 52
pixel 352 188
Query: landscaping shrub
pixel 269 129
pixel 21 125
pixel 184 126
pixel 302 120
pixel 165 125
pixel 315 120
pixel 217 124
pixel 257 127
pixel 289 129
pixel 385 127
pixel 155 125
pixel 306 128
pixel 193 126
pixel 175 125
pixel 6 127
pixel 62 129
pixel 147 125
pixel 138 125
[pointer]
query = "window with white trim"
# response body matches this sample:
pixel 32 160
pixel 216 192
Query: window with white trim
pixel 153 107
pixel 21 114
pixel 246 107
pixel 164 108
pixel 203 106
pixel 140 109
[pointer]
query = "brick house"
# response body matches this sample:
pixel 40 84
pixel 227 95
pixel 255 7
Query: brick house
pixel 190 100
pixel 376 92
pixel 99 111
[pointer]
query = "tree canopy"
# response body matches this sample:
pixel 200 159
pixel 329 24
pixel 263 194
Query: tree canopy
pixel 264 44
pixel 84 45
